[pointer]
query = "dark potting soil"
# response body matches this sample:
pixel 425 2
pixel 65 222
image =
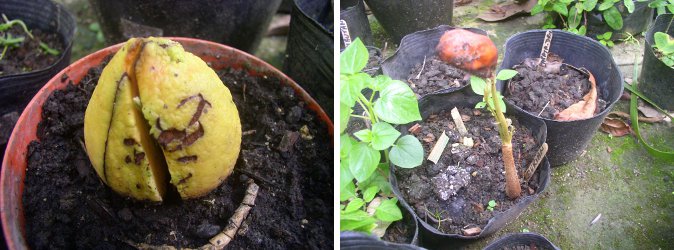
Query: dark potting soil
pixel 458 188
pixel 401 231
pixel 373 62
pixel 435 75
pixel 28 56
pixel 549 93
pixel 66 206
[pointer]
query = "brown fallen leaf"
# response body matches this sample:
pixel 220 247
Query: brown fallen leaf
pixel 641 118
pixel 471 231
pixel 504 11
pixel 429 138
pixel 583 109
pixel 649 112
pixel 615 127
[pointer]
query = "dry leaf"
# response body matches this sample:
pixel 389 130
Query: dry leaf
pixel 615 127
pixel 649 112
pixel 583 109
pixel 501 12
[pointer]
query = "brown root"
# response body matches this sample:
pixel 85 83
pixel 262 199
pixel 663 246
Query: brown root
pixel 513 188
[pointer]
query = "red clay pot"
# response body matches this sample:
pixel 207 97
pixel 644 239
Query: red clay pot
pixel 14 165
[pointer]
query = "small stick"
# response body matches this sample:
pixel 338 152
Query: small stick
pixel 244 92
pixel 546 105
pixel 595 219
pixel 456 116
pixel 422 68
pixel 533 165
pixel 439 147
pixel 249 132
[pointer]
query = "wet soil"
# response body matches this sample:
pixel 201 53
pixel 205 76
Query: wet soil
pixel 454 193
pixel 66 206
pixel 435 75
pixel 549 92
pixel 28 56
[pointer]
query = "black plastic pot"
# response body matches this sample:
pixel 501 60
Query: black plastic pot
pixel 657 79
pixel 568 139
pixel 413 49
pixel 432 238
pixel 358 241
pixel 17 90
pixel 240 24
pixel 402 17
pixel 520 240
pixel 310 50
pixel 634 23
pixel 353 21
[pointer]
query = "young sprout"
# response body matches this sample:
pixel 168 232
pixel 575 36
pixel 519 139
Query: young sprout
pixel 491 205
pixel 493 101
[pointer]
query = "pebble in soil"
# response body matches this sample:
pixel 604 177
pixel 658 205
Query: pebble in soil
pixel 549 90
pixel 465 178
pixel 435 75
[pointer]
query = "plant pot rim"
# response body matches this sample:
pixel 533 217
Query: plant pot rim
pixel 312 20
pixel 15 156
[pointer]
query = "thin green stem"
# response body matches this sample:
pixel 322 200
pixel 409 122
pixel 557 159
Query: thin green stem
pixel 3 52
pixel 503 131
pixel 364 101
pixel 670 24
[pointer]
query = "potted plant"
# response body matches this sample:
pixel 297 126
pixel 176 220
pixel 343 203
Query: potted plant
pixel 531 240
pixel 400 18
pixel 278 120
pixel 370 144
pixel 657 71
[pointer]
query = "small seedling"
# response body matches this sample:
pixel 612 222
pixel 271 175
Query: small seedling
pixel 491 205
pixel 664 44
pixel 630 38
pixel 49 50
pixel 524 230
pixel 573 14
pixel 7 40
pixel 605 39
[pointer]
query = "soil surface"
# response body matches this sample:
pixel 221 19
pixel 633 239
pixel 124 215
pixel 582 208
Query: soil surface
pixel 549 91
pixel 435 75
pixel 28 56
pixel 401 231
pixel 66 206
pixel 454 193
pixel 373 62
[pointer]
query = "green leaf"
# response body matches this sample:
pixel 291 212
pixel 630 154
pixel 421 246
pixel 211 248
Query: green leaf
pixel 354 58
pixel 574 18
pixel 354 205
pixel 613 18
pixel 492 203
pixel 370 193
pixel 629 4
pixel 582 30
pixel 506 74
pixel 407 152
pixel 378 180
pixel 383 135
pixel 538 8
pixel 605 5
pixel 608 35
pixel 358 220
pixel 664 42
pixel 350 87
pixel 560 8
pixel 364 135
pixel 347 192
pixel 609 43
pixel 346 143
pixel 363 161
pixel 397 104
pixel 380 82
pixel 388 211
pixel 345 176
pixel 602 42
pixel 500 102
pixel 589 5
pixel 480 105
pixel 344 116
pixel 477 84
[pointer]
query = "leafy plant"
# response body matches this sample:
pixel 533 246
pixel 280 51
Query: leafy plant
pixel 491 205
pixel 630 38
pixel 363 171
pixel 493 101
pixel 664 44
pixel 662 6
pixel 605 39
pixel 8 41
pixel 573 14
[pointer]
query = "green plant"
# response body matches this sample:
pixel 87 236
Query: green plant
pixel 664 44
pixel 493 101
pixel 662 6
pixel 363 172
pixel 491 205
pixel 7 40
pixel 629 38
pixel 605 39
pixel 524 230
pixel 573 14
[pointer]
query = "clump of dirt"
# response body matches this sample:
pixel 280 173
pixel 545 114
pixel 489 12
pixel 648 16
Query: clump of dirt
pixel 549 90
pixel 465 178
pixel 28 56
pixel 66 206
pixel 435 75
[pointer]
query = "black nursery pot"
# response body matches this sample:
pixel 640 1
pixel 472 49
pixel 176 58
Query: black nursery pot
pixel 432 238
pixel 358 241
pixel 656 78
pixel 519 240
pixel 634 23
pixel 568 139
pixel 240 24
pixel 402 17
pixel 310 53
pixel 416 47
pixel 17 90
pixel 353 22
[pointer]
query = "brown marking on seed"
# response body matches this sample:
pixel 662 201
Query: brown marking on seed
pixel 183 180
pixel 186 159
pixel 163 45
pixel 137 186
pixel 158 124
pixel 138 158
pixel 130 142
pixel 175 74
pixel 127 159
pixel 193 137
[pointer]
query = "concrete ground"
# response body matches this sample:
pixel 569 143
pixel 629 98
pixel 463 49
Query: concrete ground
pixel 616 177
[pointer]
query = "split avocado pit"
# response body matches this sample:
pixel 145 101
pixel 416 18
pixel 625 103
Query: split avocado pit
pixel 160 119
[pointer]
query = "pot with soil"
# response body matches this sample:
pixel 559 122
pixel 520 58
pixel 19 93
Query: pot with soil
pixel 418 63
pixel 52 196
pixel 31 56
pixel 353 23
pixel 240 24
pixel 633 23
pixel 571 92
pixel 403 17
pixel 461 196
pixel 310 53
pixel 522 241
pixel 655 80
pixel 354 241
